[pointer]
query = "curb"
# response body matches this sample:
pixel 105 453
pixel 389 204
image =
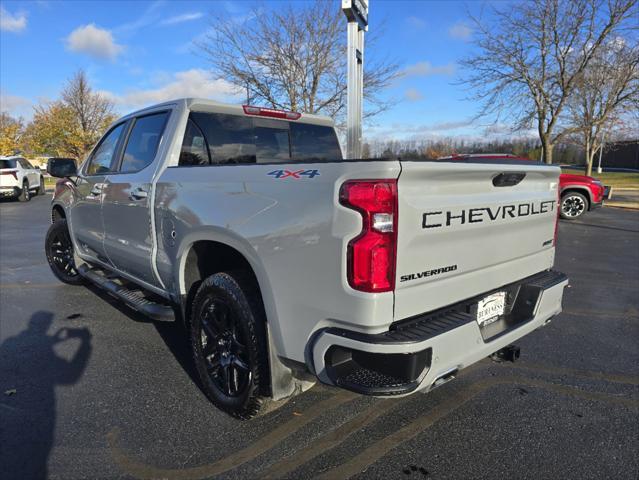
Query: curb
pixel 626 205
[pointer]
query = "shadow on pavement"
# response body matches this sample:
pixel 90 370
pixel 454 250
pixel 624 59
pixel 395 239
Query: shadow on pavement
pixel 173 334
pixel 30 371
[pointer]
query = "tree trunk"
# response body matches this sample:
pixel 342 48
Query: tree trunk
pixel 590 156
pixel 547 147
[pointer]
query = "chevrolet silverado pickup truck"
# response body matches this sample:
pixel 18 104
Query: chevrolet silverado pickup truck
pixel 289 264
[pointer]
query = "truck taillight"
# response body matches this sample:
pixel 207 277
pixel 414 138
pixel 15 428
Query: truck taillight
pixel 372 254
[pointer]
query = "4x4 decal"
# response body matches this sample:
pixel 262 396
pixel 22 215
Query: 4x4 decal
pixel 296 175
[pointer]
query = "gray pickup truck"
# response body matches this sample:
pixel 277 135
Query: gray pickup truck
pixel 289 264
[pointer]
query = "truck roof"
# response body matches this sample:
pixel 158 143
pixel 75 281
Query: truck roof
pixel 203 104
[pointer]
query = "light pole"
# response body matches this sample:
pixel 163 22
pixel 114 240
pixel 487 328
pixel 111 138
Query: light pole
pixel 601 151
pixel 356 12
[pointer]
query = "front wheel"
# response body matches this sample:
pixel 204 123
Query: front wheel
pixel 59 250
pixel 573 205
pixel 227 329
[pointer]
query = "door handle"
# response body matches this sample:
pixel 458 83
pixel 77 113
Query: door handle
pixel 97 189
pixel 139 194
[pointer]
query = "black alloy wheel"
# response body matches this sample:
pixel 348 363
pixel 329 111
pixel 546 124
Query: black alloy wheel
pixel 228 338
pixel 224 348
pixel 59 250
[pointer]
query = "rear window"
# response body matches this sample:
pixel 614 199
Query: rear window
pixel 143 142
pixel 7 164
pixel 236 139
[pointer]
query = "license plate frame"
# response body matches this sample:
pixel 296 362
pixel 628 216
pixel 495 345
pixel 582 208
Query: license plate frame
pixel 490 308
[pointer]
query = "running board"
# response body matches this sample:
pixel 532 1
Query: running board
pixel 132 298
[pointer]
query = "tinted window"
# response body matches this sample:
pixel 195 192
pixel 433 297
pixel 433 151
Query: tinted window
pixel 8 163
pixel 143 142
pixel 103 157
pixel 272 141
pixel 314 142
pixel 230 137
pixel 194 150
pixel 237 139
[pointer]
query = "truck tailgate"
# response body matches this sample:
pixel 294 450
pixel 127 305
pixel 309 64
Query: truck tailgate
pixel 469 228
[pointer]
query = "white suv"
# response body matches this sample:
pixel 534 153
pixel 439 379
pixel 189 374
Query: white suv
pixel 18 178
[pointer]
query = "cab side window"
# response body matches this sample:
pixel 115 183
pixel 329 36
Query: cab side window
pixel 103 157
pixel 194 149
pixel 143 141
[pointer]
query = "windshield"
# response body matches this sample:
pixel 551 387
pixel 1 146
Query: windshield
pixel 7 164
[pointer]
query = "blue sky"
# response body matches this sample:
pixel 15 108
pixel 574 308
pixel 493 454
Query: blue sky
pixel 141 52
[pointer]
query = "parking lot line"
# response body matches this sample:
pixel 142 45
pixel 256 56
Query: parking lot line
pixel 330 440
pixel 379 449
pixel 229 462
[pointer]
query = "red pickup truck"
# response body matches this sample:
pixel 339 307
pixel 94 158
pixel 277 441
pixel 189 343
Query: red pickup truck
pixel 579 193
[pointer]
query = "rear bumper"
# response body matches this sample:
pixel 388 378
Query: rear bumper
pixel 9 191
pixel 418 353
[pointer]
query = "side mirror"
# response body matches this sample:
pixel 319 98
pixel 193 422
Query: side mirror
pixel 61 167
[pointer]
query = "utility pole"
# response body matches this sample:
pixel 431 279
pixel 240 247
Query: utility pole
pixel 601 150
pixel 356 12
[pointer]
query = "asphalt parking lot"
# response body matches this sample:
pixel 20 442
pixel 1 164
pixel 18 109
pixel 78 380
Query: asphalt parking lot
pixel 89 389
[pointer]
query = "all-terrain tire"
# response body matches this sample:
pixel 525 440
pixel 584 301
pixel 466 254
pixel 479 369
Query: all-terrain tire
pixel 59 250
pixel 227 328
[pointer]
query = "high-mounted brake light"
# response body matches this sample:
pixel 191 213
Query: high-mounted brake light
pixel 269 112
pixel 372 254
pixel 10 172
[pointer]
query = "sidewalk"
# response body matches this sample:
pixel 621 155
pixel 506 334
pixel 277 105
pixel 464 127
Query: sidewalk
pixel 624 197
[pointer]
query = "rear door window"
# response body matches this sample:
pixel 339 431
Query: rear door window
pixel 143 142
pixel 103 158
pixel 194 150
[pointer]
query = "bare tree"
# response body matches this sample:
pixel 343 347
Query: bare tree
pixel 531 56
pixel 607 92
pixel 91 109
pixel 292 58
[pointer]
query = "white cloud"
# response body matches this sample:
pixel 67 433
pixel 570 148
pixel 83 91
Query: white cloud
pixel 94 41
pixel 185 17
pixel 12 22
pixel 425 69
pixel 413 95
pixel 460 31
pixel 15 105
pixel 190 83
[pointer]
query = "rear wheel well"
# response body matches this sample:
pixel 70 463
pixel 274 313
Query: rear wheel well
pixel 582 191
pixel 206 258
pixel 57 213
